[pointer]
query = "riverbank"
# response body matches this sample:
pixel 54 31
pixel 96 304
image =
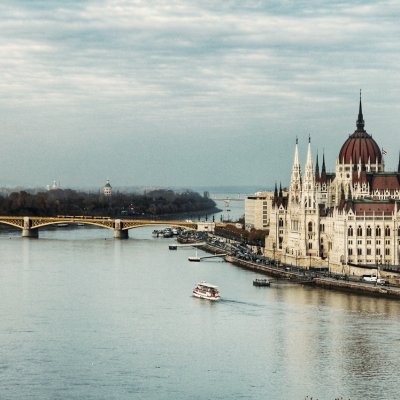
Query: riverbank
pixel 310 278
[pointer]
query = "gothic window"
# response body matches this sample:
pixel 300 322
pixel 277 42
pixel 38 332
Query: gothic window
pixel 350 231
pixel 387 230
pixel 369 231
pixel 280 222
pixel 359 252
pixel 359 230
pixel 310 227
pixel 378 231
pixel 368 252
pixel 350 252
pixel 378 252
pixel 387 251
pixel 310 245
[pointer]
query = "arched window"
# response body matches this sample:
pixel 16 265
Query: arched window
pixel 359 230
pixel 350 231
pixel 280 222
pixel 378 231
pixel 387 230
pixel 369 231
pixel 310 227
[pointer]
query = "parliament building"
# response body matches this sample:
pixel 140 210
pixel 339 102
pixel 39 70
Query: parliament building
pixel 347 221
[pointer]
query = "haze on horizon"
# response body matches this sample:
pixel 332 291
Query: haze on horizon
pixel 190 93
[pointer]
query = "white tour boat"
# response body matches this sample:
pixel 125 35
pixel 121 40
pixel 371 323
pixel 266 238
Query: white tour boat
pixel 207 291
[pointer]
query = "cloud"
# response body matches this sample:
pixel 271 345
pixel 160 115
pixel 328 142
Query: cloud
pixel 200 67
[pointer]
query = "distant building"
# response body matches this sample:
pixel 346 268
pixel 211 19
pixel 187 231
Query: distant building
pixel 107 190
pixel 53 186
pixel 256 213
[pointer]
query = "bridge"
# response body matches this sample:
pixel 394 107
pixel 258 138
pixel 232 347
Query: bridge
pixel 239 197
pixel 30 225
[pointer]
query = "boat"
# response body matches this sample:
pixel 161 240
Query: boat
pixel 195 258
pixel 204 290
pixel 261 282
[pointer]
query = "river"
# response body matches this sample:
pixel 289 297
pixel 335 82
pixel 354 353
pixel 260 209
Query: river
pixel 84 316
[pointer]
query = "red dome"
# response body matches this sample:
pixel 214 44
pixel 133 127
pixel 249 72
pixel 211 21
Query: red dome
pixel 360 146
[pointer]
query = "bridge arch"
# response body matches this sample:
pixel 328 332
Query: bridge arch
pixel 30 225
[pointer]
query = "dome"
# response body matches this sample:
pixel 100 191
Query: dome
pixel 360 146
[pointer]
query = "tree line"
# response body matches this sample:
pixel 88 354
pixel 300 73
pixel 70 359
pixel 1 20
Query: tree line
pixel 255 237
pixel 70 202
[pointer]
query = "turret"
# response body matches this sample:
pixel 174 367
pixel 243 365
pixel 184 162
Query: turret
pixel 275 195
pixel 323 170
pixel 317 177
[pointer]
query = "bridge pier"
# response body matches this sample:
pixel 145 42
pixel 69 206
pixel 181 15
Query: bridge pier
pixel 121 234
pixel 30 233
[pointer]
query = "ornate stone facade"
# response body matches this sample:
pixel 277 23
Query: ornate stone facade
pixel 344 220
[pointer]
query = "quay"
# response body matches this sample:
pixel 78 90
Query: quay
pixel 198 259
pixel 311 279
pixel 185 245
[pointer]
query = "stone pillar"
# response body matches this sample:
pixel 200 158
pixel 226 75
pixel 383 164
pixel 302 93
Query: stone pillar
pixel 120 234
pixel 29 232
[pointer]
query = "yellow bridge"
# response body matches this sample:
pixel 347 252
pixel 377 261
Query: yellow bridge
pixel 30 225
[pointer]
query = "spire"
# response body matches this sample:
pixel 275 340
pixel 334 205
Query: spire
pixel 309 157
pixel 360 121
pixel 280 191
pixel 296 153
pixel 308 184
pixel 295 182
pixel 398 167
pixel 317 170
pixel 323 170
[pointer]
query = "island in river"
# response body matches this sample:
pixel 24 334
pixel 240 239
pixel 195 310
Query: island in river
pixel 70 202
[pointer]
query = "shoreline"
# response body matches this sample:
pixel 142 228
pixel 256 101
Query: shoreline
pixel 358 288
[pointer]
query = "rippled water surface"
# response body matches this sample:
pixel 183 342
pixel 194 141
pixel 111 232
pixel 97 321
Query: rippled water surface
pixel 83 316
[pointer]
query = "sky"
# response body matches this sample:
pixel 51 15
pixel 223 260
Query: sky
pixel 190 93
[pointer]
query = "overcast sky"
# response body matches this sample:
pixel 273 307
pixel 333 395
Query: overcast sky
pixel 189 93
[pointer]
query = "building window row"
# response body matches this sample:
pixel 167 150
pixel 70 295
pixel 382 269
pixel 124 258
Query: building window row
pixel 368 231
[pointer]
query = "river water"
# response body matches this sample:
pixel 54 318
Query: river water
pixel 84 316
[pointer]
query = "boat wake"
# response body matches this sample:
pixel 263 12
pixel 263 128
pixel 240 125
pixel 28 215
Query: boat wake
pixel 245 303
